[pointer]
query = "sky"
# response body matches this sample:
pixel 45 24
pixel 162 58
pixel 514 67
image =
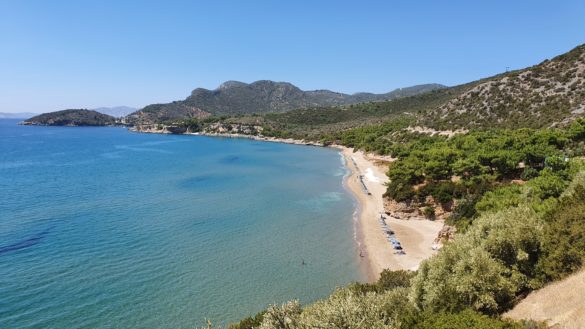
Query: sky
pixel 86 54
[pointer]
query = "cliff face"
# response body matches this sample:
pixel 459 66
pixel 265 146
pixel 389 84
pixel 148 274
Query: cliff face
pixel 74 117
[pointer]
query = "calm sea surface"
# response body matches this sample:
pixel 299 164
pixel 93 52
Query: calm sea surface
pixel 100 227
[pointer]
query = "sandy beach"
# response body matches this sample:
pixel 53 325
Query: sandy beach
pixel 415 236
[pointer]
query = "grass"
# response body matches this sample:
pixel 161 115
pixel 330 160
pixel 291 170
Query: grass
pixel 561 303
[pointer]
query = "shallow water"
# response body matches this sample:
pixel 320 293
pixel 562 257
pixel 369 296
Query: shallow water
pixel 100 227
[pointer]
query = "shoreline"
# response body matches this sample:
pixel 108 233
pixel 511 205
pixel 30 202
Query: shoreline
pixel 416 235
pixel 375 252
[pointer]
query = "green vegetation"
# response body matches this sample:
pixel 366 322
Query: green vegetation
pixel 74 117
pixel 264 96
pixel 482 273
pixel 478 172
pixel 533 97
pixel 563 245
pixel 550 93
pixel 517 196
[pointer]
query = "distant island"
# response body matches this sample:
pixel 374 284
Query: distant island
pixel 19 115
pixel 71 117
pixel 115 111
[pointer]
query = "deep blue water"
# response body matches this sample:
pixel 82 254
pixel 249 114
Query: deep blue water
pixel 100 227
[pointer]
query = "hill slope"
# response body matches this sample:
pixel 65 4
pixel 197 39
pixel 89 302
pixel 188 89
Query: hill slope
pixel 544 304
pixel 547 94
pixel 235 98
pixel 72 117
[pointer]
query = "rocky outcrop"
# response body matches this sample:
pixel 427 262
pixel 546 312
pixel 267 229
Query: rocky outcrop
pixel 414 210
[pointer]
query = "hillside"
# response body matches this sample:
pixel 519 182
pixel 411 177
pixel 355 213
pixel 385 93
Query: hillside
pixel 72 117
pixel 544 305
pixel 237 98
pixel 547 94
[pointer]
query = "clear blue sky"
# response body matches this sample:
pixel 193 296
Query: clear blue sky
pixel 70 54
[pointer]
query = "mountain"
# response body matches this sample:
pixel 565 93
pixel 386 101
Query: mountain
pixel 264 96
pixel 21 115
pixel 548 94
pixel 116 111
pixel 73 117
pixel 551 93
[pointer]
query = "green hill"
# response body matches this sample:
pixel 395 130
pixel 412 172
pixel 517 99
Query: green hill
pixel 548 94
pixel 238 98
pixel 72 117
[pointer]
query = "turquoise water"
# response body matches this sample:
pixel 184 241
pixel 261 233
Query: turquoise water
pixel 100 227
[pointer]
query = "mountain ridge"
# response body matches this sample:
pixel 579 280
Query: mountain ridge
pixel 262 96
pixel 18 115
pixel 116 111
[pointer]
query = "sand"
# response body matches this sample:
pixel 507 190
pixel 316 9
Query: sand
pixel 561 304
pixel 415 236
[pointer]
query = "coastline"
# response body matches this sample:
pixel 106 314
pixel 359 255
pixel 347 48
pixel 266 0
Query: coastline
pixel 375 252
pixel 416 236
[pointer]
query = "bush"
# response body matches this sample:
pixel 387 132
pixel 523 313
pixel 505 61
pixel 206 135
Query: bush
pixel 249 322
pixel 388 280
pixel 283 317
pixel 394 279
pixel 499 199
pixel 429 213
pixel 529 173
pixel 547 185
pixel 483 269
pixel 400 191
pixel 346 309
pixel 463 320
pixel 563 243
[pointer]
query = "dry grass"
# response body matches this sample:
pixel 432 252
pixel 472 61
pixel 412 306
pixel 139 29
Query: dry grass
pixel 560 304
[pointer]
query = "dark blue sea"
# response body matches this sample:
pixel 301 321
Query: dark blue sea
pixel 105 228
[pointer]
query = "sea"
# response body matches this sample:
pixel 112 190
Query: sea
pixel 105 228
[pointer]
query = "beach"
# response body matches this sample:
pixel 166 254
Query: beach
pixel 415 236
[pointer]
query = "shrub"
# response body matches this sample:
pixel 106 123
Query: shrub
pixel 547 185
pixel 429 213
pixel 394 279
pixel 400 191
pixel 563 243
pixel 529 173
pixel 249 322
pixel 463 320
pixel 346 309
pixel 388 280
pixel 283 317
pixel 499 199
pixel 483 269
